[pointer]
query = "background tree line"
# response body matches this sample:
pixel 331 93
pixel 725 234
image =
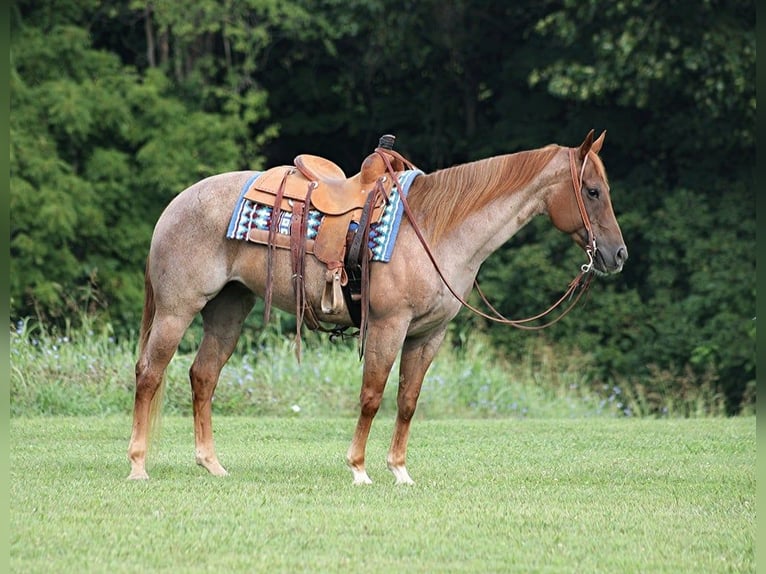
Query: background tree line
pixel 116 106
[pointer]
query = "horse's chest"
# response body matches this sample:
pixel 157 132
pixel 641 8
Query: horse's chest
pixel 433 314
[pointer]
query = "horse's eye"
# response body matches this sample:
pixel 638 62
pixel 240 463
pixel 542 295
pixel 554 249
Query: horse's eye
pixel 593 192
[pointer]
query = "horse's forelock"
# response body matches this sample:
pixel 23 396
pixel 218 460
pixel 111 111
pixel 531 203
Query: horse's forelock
pixel 599 165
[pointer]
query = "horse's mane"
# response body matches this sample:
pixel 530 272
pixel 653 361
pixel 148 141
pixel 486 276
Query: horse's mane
pixel 444 194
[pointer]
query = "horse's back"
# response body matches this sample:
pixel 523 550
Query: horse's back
pixel 209 201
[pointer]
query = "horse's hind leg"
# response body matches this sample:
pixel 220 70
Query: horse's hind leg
pixel 166 333
pixel 223 318
pixel 417 356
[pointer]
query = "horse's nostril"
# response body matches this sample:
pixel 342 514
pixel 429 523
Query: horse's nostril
pixel 622 255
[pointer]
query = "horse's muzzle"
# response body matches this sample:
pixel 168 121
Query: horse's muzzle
pixel 611 261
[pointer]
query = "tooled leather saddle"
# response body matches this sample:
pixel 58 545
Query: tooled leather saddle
pixel 348 206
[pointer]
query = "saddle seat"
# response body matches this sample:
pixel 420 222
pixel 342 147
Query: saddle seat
pixel 333 193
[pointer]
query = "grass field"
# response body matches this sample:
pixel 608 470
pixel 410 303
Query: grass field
pixel 501 495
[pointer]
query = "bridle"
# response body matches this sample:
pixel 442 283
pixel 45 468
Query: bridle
pixel 581 281
pixel 590 248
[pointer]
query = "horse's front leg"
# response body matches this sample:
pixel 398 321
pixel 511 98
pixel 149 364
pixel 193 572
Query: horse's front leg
pixel 417 355
pixel 382 346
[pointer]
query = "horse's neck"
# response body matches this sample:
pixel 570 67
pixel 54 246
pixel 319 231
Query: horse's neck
pixel 474 238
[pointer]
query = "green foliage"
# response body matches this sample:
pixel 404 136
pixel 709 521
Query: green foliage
pixel 88 370
pixel 116 107
pixel 669 55
pixel 97 151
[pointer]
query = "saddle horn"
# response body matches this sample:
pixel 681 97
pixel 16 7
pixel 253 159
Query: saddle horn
pixel 386 141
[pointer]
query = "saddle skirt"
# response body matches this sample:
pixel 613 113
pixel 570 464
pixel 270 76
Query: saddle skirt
pixel 251 221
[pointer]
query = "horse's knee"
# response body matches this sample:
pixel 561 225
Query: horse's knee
pixel 369 401
pixel 405 414
pixel 407 403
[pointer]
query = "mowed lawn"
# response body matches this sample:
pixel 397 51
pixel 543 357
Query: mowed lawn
pixel 497 495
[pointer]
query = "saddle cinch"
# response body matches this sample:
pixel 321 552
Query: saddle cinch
pixel 348 207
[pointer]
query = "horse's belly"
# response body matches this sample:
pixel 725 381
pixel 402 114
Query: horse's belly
pixel 251 269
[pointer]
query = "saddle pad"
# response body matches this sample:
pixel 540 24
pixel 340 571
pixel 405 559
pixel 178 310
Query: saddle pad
pixel 249 215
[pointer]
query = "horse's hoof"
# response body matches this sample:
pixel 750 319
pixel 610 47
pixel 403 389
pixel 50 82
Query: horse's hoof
pixel 213 468
pixel 138 475
pixel 360 481
pixel 360 477
pixel 401 475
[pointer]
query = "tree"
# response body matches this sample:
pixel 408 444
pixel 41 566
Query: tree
pixel 118 106
pixel 97 151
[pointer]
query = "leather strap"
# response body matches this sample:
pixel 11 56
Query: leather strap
pixel 590 248
pixel 298 228
pixel 276 213
pixel 358 260
pixel 361 237
pixel 497 317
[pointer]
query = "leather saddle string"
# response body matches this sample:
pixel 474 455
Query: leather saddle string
pixel 358 251
pixel 298 229
pixel 276 213
pixel 360 255
pixel 363 230
pixel 497 317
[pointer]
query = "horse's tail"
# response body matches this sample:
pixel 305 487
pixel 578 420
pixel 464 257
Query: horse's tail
pixel 147 319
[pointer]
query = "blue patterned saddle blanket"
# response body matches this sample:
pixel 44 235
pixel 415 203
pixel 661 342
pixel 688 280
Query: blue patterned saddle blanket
pixel 250 215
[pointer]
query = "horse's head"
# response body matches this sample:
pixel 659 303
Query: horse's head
pixel 581 207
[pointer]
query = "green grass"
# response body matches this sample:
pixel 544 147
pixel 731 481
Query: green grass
pixel 523 465
pixel 86 371
pixel 492 495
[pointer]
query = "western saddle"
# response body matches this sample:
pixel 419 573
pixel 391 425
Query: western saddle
pixel 348 207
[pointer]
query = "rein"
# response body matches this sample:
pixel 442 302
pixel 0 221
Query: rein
pixel 583 278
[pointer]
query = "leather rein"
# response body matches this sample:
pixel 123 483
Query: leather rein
pixel 583 278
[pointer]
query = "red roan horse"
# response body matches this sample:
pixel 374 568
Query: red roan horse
pixel 465 213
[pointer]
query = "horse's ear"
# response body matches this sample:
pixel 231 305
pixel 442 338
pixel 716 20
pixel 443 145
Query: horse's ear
pixel 586 145
pixel 596 147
